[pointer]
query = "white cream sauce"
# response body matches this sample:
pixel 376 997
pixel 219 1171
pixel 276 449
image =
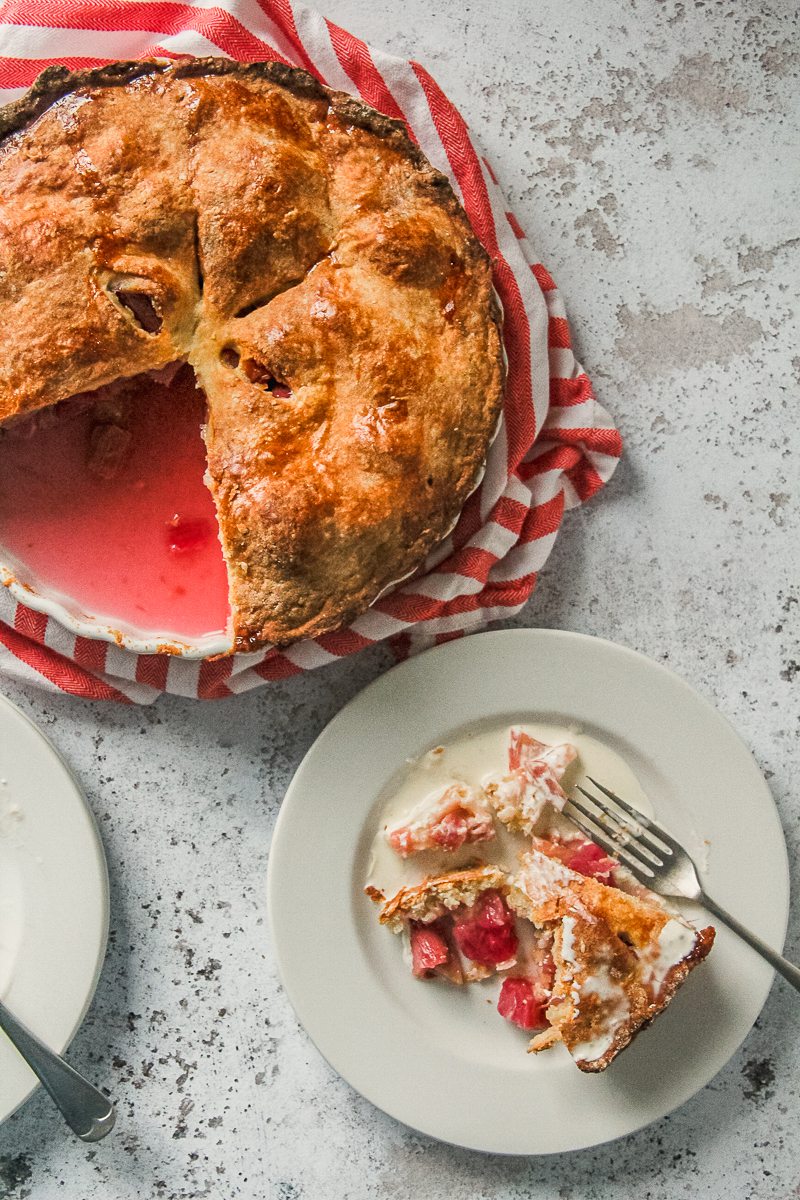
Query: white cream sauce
pixel 675 941
pixel 594 1048
pixel 568 939
pixel 616 1010
pixel 469 758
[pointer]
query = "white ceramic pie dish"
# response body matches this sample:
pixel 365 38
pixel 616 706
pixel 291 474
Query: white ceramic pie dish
pixel 69 614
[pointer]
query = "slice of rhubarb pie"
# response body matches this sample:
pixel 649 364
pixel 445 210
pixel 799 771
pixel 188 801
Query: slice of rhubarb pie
pixel 458 925
pixel 319 276
pixel 583 953
pixel 618 958
pixel 583 962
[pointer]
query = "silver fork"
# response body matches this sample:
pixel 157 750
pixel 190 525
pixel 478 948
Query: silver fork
pixel 654 857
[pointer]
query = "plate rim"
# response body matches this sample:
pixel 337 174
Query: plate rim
pixel 105 894
pixel 440 651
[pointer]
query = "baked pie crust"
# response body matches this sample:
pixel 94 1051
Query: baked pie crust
pixel 321 278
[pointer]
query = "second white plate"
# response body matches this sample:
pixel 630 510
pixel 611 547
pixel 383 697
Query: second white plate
pixel 464 1077
pixel 53 897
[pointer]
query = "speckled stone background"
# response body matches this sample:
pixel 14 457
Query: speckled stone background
pixel 651 152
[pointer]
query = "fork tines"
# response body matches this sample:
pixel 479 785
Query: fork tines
pixel 622 831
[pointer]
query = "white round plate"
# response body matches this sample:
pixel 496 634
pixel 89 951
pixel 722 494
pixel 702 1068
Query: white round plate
pixel 419 1051
pixel 53 898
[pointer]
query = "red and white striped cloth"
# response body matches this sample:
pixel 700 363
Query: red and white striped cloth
pixel 556 446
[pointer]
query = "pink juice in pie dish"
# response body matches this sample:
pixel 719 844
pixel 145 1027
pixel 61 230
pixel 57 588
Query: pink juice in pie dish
pixel 102 502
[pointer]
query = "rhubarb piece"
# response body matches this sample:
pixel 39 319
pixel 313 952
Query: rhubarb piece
pixel 485 933
pixel 448 818
pixel 581 855
pixel 429 949
pixel 186 534
pixel 519 1005
pixel 521 796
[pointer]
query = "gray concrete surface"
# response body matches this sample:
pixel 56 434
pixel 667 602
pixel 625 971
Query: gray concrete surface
pixel 650 151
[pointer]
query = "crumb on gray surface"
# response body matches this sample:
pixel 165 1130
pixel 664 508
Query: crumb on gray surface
pixel 759 1074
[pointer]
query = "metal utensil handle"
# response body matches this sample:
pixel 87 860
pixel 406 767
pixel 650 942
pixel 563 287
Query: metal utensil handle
pixel 788 970
pixel 87 1111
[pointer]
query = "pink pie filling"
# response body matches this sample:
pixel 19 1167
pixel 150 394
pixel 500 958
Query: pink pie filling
pixel 519 1004
pixel 485 932
pixel 429 948
pixel 112 512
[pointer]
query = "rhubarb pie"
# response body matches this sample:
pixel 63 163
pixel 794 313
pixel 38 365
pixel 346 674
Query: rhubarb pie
pixel 318 275
pixel 583 954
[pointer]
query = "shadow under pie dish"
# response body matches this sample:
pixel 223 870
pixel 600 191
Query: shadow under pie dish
pixel 317 275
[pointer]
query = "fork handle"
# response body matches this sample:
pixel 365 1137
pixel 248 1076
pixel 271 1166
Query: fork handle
pixel 788 970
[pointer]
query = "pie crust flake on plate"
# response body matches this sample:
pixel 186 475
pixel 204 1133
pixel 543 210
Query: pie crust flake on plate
pixel 320 277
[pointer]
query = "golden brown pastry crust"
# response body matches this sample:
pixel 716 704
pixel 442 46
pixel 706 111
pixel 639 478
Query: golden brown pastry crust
pixel 611 929
pixel 277 235
pixel 428 900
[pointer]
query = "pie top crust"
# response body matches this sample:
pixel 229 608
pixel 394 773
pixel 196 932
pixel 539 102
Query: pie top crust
pixel 298 250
